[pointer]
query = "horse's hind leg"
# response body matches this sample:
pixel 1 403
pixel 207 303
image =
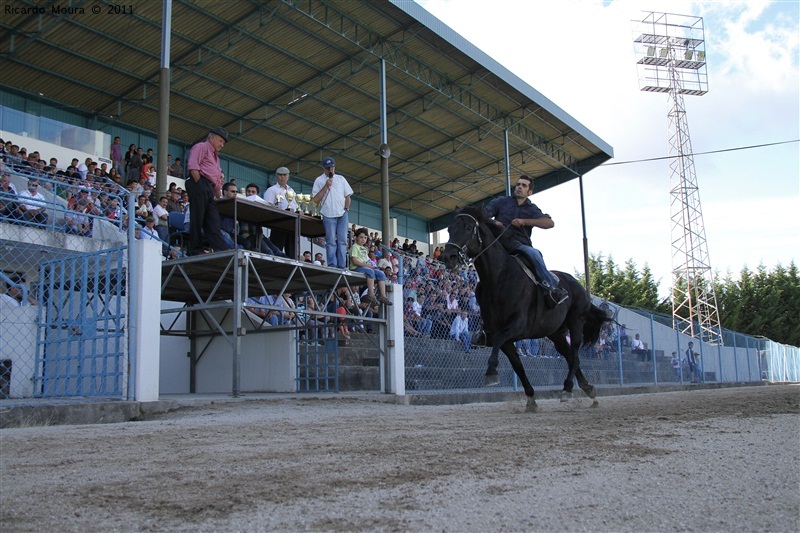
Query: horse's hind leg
pixel 564 348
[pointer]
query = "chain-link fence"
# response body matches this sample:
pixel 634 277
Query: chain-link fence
pixel 63 298
pixel 639 348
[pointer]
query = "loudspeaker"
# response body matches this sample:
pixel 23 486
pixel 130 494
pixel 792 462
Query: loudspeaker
pixel 384 151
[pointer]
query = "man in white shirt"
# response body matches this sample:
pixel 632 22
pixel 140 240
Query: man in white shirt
pixel 332 193
pixel 424 325
pixel 459 331
pixel 276 195
pixel 13 295
pixel 32 204
pixel 640 349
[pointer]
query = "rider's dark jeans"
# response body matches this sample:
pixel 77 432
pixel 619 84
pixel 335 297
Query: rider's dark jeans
pixel 542 274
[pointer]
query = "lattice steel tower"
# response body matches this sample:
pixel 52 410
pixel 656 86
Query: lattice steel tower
pixel 671 58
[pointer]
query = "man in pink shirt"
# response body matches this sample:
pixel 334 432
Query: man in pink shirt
pixel 204 185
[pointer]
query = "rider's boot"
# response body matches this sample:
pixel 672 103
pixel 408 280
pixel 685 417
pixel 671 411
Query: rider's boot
pixel 555 296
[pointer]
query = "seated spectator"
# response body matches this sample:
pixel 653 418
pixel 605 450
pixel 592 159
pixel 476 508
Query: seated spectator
pixel 8 196
pixel 77 219
pixel 459 330
pixel 623 336
pixel 161 216
pixel 13 297
pixel 359 262
pixel 32 205
pixel 269 316
pixel 174 201
pixel 251 235
pixel 143 207
pixel 639 348
pixel 148 232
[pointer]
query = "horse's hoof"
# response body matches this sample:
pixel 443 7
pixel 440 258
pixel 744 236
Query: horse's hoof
pixel 565 396
pixel 531 407
pixel 492 380
pixel 594 403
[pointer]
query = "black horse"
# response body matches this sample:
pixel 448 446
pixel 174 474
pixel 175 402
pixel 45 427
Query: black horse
pixel 513 307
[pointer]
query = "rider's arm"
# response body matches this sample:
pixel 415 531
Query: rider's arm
pixel 542 222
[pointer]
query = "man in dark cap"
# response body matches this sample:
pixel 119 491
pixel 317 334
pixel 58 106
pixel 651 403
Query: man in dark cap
pixel 204 185
pixel 332 194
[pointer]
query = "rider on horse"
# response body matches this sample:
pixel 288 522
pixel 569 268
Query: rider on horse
pixel 521 215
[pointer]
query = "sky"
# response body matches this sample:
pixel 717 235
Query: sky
pixel 580 55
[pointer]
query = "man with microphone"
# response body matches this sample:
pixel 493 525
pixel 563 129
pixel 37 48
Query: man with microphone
pixel 331 193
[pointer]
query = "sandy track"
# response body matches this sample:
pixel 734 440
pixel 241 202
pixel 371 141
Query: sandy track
pixel 705 460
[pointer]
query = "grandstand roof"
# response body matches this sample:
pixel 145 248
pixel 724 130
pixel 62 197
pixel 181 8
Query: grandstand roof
pixel 296 81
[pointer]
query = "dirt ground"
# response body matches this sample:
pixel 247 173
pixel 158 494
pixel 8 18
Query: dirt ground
pixel 704 460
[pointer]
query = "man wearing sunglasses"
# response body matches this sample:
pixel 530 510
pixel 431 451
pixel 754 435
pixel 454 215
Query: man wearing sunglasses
pixel 32 205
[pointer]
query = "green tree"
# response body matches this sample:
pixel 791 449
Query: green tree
pixel 761 303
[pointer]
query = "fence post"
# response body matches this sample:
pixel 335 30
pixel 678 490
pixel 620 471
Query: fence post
pixel 735 359
pixel 132 292
pixel 719 356
pixel 678 341
pixel 619 358
pixel 653 349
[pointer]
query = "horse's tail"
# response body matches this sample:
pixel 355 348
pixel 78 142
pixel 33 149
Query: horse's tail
pixel 593 323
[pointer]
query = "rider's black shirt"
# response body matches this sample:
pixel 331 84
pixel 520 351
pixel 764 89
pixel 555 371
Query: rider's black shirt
pixel 506 209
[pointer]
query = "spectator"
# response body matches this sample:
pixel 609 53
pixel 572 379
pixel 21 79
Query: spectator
pixel 676 365
pixel 640 349
pixel 459 330
pixel 135 165
pixel 204 186
pixel 276 195
pixel 307 257
pixel 359 261
pixel 691 360
pixel 32 205
pixel 318 260
pixel 115 155
pixel 148 232
pixel 13 297
pixel 332 193
pixel 8 196
pixel 143 207
pixel 128 156
pixel 174 202
pixel 77 220
pixel 623 335
pixel 410 320
pixel 161 216
pixel 251 235
pixel 422 323
pixel 176 169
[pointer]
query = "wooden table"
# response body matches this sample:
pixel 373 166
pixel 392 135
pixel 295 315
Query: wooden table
pixel 263 214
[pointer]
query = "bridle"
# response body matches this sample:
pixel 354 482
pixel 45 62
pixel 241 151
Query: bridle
pixel 462 250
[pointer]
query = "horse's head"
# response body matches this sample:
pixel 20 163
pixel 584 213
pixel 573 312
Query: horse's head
pixel 465 238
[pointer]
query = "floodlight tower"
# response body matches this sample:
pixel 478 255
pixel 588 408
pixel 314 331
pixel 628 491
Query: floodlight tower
pixel 671 58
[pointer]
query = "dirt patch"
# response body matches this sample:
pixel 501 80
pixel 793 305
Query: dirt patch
pixel 701 460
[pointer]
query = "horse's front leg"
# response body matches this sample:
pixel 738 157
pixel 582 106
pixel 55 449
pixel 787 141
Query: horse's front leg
pixel 492 379
pixel 516 363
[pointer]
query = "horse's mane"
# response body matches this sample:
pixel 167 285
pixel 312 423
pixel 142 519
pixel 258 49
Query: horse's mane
pixel 482 217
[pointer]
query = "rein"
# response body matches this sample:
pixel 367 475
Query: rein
pixel 462 250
